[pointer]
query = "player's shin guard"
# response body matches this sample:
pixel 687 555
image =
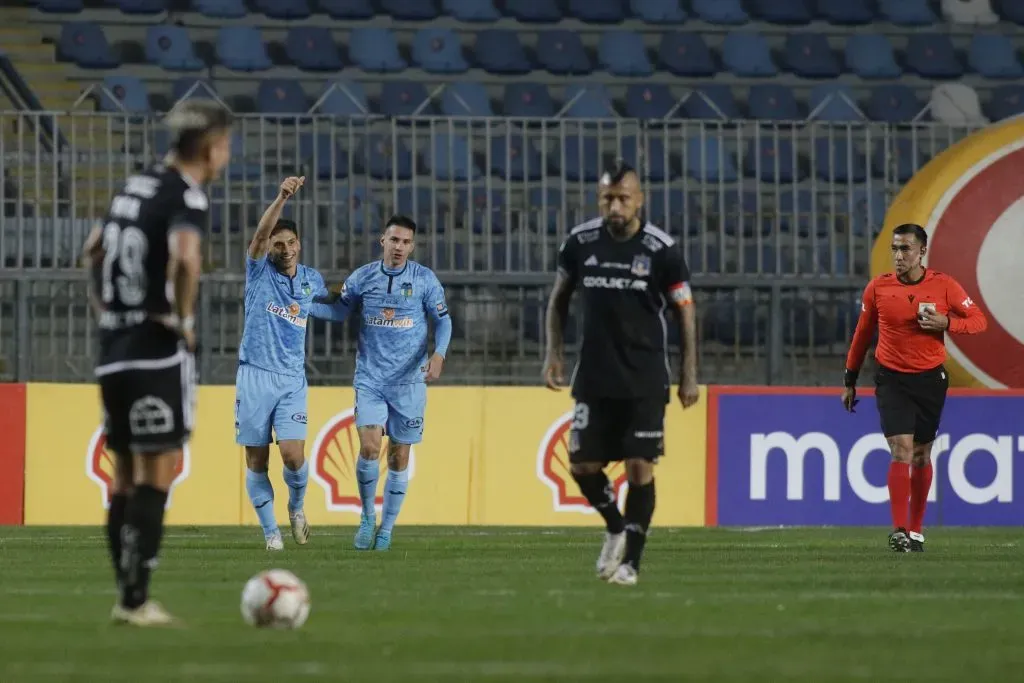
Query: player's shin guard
pixel 261 495
pixel 296 481
pixel 639 511
pixel 395 486
pixel 899 493
pixel 920 485
pixel 115 520
pixel 599 493
pixel 367 474
pixel 140 542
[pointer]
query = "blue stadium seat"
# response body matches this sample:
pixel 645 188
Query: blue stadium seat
pixel 846 12
pixel 130 94
pixel 375 49
pixel 649 101
pixel 533 11
pixel 808 55
pixel 699 104
pixel 60 6
pixel 773 102
pixel 140 6
pixel 686 54
pixel 622 53
pixel 498 51
pixel 281 96
pixel 171 48
pixel 184 87
pixel 1010 10
pixel 241 48
pixel 796 209
pixel 378 157
pixel 358 210
pixel 653 165
pixel 472 11
pixel 833 102
pixel 931 55
pixel 907 12
pixel 707 159
pixel 513 158
pixel 545 207
pixel 240 168
pixel 420 201
pixel 324 155
pixel 561 52
pixel 405 98
pixel 838 160
pixel 438 50
pixel 790 12
pixel 347 9
pixel 465 98
pixel 588 102
pixel 580 158
pixel 220 9
pixel 756 259
pixel 484 205
pixel 346 98
pixel 658 12
pixel 994 56
pixel 597 11
pixel 1006 101
pixel 722 12
pixel 284 9
pixel 451 158
pixel 746 54
pixel 311 48
pixel 85 44
pixel 870 55
pixel 893 104
pixel 772 161
pixel 671 209
pixel 410 10
pixel 898 160
pixel 530 100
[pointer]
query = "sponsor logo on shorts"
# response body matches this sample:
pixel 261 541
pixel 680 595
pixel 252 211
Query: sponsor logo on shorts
pixel 289 313
pixel 299 417
pixel 386 318
pixel 553 467
pixel 333 466
pixel 648 435
pixel 99 466
pixel 414 423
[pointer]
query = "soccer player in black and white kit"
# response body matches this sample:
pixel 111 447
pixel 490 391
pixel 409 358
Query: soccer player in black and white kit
pixel 631 272
pixel 145 263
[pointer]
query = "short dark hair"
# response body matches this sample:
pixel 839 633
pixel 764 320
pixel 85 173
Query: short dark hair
pixel 192 121
pixel 400 221
pixel 284 224
pixel 613 175
pixel 912 229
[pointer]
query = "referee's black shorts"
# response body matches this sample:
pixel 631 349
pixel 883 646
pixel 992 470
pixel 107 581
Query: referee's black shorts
pixel 911 403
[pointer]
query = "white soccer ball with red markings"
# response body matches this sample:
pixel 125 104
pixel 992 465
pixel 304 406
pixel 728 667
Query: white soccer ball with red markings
pixel 275 598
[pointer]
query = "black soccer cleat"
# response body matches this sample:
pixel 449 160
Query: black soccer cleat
pixel 916 542
pixel 899 541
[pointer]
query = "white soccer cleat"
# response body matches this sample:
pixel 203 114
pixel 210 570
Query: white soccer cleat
pixel 300 527
pixel 611 555
pixel 275 542
pixel 148 614
pixel 625 575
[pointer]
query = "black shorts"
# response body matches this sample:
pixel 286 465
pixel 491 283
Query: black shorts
pixel 911 403
pixel 610 429
pixel 148 405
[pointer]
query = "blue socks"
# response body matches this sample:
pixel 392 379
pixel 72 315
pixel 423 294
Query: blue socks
pixel 261 494
pixel 394 495
pixel 296 481
pixel 367 473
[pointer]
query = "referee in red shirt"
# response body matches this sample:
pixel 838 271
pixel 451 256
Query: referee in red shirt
pixel 912 309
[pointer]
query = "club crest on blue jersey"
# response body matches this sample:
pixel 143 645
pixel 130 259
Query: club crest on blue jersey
pixel 406 289
pixel 641 265
pixel 306 289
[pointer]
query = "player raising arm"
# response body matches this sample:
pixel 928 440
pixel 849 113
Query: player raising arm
pixel 630 271
pixel 912 309
pixel 395 296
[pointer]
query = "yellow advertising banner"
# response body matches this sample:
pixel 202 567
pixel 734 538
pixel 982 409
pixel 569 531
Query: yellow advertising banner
pixel 495 456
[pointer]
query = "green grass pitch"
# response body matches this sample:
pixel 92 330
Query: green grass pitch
pixel 523 605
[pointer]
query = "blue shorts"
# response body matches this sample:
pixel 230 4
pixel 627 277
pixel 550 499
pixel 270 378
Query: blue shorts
pixel 265 400
pixel 399 409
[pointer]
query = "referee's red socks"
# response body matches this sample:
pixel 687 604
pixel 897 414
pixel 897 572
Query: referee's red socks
pixel 920 485
pixel 899 493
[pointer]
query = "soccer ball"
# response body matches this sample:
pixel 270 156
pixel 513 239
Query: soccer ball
pixel 275 598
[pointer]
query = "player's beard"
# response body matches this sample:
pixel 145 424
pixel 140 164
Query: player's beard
pixel 617 225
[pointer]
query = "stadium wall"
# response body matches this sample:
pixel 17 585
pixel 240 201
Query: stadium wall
pixel 745 456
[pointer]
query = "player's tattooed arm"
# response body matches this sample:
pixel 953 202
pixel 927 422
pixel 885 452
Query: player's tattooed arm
pixel 557 314
pixel 689 392
pixel 261 240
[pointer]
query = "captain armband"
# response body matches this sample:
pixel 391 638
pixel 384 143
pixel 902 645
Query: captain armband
pixel 681 294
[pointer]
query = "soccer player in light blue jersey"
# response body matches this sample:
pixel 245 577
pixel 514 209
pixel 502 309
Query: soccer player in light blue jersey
pixel 270 388
pixel 394 297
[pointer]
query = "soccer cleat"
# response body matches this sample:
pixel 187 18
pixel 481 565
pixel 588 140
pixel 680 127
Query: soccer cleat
pixel 611 555
pixel 916 542
pixel 149 613
pixel 383 541
pixel 364 534
pixel 899 541
pixel 625 575
pixel 275 542
pixel 300 527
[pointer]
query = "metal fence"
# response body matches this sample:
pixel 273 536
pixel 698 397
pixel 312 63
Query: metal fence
pixel 776 221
